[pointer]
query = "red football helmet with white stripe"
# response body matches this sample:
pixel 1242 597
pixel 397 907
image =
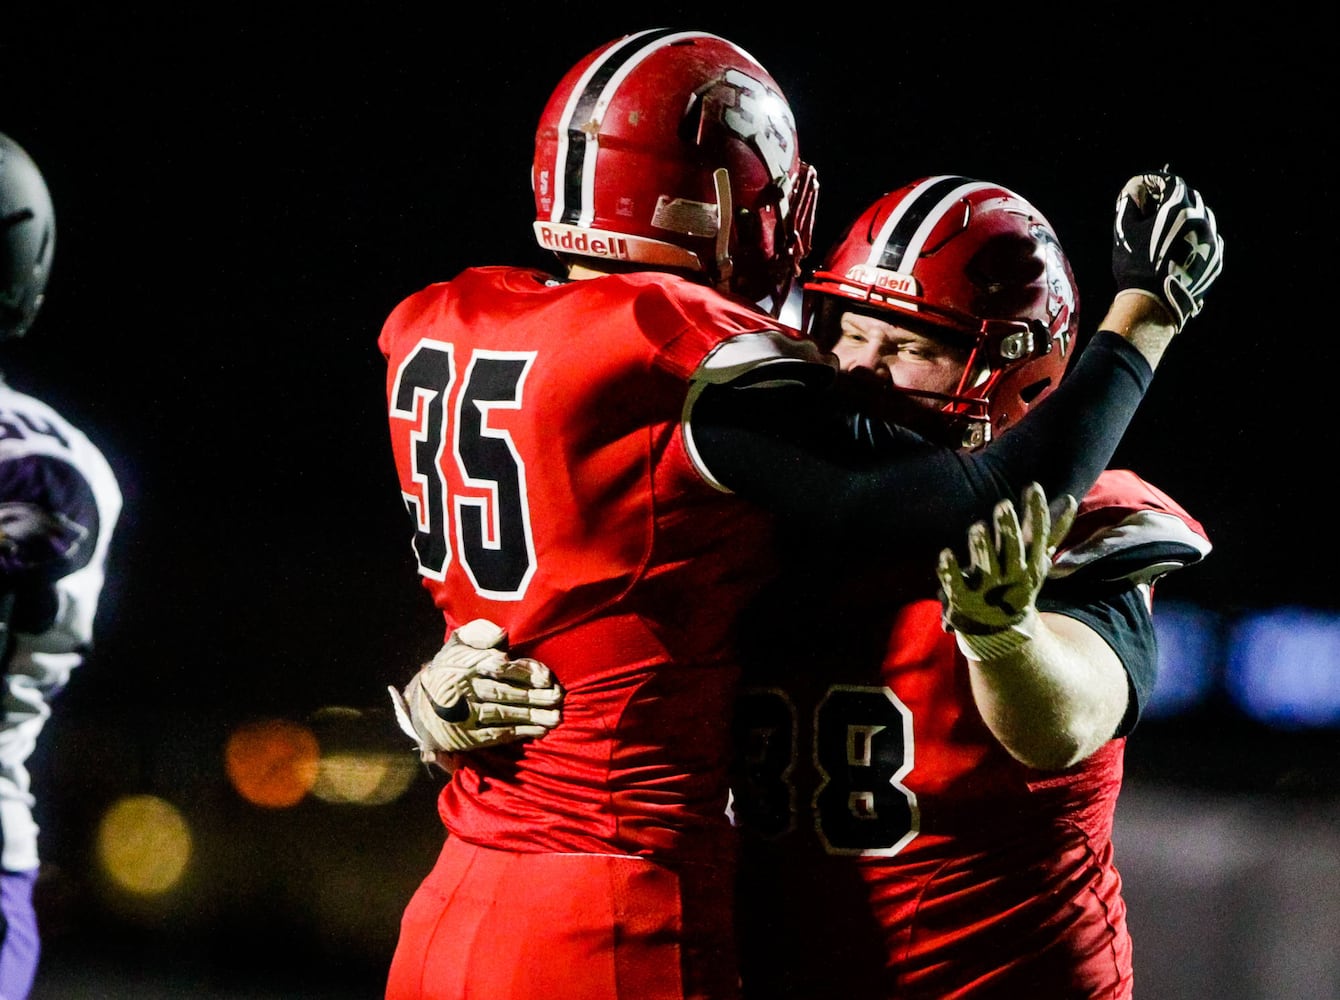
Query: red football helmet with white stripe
pixel 676 149
pixel 974 263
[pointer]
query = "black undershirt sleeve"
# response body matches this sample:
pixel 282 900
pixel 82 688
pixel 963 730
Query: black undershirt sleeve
pixel 803 454
pixel 1122 618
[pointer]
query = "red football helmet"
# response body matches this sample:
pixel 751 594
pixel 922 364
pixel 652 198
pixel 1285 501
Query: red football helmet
pixel 676 149
pixel 974 262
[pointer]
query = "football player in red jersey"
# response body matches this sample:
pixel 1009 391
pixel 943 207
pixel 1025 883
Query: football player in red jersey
pixel 927 812
pixel 577 454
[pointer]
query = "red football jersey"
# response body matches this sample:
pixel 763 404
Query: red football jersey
pixel 892 847
pixel 537 433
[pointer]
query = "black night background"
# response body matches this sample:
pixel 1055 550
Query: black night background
pixel 241 198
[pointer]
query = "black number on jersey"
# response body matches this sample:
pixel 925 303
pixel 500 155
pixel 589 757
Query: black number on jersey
pixel 860 752
pixel 763 795
pixel 488 521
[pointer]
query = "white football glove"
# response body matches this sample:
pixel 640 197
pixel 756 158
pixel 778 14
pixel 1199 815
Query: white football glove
pixel 470 695
pixel 991 605
pixel 1165 243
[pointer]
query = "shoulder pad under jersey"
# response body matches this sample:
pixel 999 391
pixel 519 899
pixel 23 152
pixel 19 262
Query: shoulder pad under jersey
pixel 1129 530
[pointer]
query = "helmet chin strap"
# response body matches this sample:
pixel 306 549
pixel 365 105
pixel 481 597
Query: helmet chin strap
pixel 725 216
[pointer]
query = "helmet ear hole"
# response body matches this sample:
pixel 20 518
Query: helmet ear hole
pixel 1033 390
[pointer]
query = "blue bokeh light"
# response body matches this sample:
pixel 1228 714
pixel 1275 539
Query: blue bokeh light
pixel 1190 642
pixel 1284 667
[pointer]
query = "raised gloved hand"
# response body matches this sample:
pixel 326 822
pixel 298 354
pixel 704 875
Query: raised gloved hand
pixel 991 604
pixel 1165 243
pixel 471 695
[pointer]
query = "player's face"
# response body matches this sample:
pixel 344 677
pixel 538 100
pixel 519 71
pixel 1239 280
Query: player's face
pixel 898 355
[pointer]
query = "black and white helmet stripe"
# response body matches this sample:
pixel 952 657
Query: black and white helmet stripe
pixel 574 198
pixel 903 235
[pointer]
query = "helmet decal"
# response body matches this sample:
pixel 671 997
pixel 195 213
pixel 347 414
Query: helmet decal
pixel 763 119
pixel 1062 300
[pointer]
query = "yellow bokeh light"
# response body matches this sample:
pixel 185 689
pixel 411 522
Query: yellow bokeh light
pixel 363 762
pixel 144 844
pixel 364 778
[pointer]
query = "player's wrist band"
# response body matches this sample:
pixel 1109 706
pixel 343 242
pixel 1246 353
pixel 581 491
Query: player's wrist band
pixel 997 645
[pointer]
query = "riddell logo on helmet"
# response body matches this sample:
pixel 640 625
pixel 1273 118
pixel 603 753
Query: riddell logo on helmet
pixel 560 238
pixel 877 277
